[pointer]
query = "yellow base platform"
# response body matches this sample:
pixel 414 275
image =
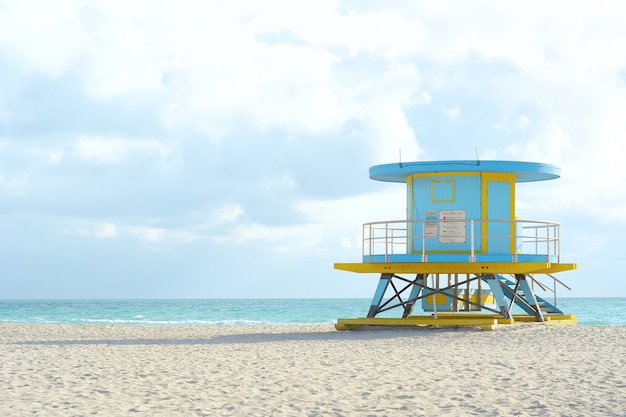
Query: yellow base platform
pixel 484 321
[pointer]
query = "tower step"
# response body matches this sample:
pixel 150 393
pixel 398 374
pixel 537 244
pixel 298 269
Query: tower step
pixel 543 305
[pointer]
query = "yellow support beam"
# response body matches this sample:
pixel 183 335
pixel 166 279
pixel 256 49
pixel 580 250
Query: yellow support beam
pixel 554 319
pixel 484 321
pixel 554 268
pixel 455 267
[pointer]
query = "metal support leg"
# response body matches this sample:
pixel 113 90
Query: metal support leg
pixel 496 289
pixel 418 284
pixel 385 279
pixel 529 295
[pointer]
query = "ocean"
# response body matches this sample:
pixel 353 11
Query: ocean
pixel 242 312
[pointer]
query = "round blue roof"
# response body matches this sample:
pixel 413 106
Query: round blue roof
pixel 524 171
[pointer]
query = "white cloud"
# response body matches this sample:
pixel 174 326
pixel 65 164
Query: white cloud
pixel 279 239
pixel 522 122
pixel 452 113
pixel 148 234
pixel 350 212
pixel 100 149
pixel 98 230
pixel 113 150
pixel 183 236
pixel 328 223
pixel 105 230
pixel 280 183
pixel 53 156
pixel 109 230
pixel 392 135
pixel 424 98
pixel 176 55
pixel 45 37
pixel 15 183
pixel 227 213
pixel 157 234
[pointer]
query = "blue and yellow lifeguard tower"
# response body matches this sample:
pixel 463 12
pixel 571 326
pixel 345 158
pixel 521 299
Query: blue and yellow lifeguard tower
pixel 469 259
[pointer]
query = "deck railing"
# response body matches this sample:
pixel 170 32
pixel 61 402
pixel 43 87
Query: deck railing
pixel 395 237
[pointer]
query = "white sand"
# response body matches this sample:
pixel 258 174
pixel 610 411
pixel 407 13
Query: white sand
pixel 525 370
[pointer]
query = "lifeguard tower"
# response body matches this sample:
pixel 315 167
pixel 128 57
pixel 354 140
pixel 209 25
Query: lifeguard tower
pixel 469 259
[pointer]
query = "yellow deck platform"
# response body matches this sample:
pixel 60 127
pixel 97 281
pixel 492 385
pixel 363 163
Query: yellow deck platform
pixel 456 267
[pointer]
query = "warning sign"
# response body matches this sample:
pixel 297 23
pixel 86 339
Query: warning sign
pixel 452 226
pixel 430 227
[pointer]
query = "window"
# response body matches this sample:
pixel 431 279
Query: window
pixel 442 191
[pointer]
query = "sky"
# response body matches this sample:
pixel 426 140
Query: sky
pixel 220 149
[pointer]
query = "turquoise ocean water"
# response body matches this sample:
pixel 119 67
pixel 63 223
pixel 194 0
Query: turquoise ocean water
pixel 590 311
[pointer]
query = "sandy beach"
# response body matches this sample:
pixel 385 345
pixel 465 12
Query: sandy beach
pixel 522 370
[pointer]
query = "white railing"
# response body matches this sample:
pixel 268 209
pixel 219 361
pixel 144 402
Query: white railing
pixel 396 237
